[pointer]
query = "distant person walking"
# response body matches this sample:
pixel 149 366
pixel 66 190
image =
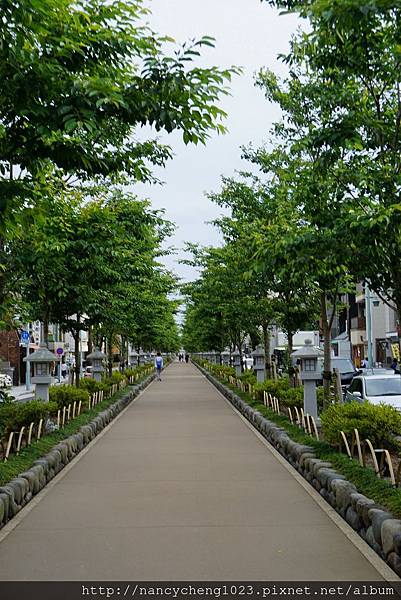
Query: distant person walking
pixel 159 365
pixel 187 358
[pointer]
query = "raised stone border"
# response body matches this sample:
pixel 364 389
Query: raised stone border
pixel 371 521
pixel 19 491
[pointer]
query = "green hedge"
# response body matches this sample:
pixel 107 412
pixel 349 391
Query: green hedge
pixel 14 415
pixel 248 377
pixel 132 371
pixel 221 370
pixel 378 423
pixel 92 386
pixel 281 388
pixel 114 379
pixel 63 395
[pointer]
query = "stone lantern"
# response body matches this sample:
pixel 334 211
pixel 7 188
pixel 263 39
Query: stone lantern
pixel 237 363
pixel 133 359
pixel 214 357
pixel 259 363
pixel 41 360
pixel 97 357
pixel 142 358
pixel 225 357
pixel 310 374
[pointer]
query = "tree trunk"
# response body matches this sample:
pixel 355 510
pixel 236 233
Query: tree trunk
pixel 122 361
pixel 46 330
pixel 290 343
pixel 110 355
pixel 327 349
pixel 90 340
pixel 290 349
pixel 77 354
pixel 240 353
pixel 266 345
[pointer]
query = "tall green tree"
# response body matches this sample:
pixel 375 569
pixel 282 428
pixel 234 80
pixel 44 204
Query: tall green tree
pixel 353 50
pixel 77 79
pixel 91 264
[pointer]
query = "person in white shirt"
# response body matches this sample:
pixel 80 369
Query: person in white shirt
pixel 159 365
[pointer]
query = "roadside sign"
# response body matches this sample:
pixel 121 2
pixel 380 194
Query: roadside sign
pixel 59 351
pixel 25 337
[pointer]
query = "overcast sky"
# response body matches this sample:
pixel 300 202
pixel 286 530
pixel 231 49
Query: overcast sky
pixel 249 34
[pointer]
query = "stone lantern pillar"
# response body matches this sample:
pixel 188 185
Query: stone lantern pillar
pixel 41 360
pixel 259 363
pixel 225 357
pixel 310 374
pixel 237 363
pixel 133 359
pixel 142 358
pixel 97 357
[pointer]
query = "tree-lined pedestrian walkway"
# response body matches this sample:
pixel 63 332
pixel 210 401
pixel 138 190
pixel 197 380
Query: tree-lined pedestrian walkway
pixel 179 488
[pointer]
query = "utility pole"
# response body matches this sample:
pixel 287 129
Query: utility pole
pixel 368 310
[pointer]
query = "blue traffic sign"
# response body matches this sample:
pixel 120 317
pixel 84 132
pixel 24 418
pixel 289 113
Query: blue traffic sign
pixel 25 337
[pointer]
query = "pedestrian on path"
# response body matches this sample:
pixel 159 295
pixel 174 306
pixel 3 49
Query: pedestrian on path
pixel 159 365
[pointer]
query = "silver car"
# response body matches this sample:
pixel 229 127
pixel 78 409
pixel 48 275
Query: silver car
pixel 378 388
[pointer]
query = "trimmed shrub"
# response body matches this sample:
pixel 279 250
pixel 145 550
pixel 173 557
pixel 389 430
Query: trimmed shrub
pixel 223 371
pixel 15 415
pixel 378 423
pixel 92 386
pixel 116 377
pixel 64 395
pixel 131 372
pixel 287 395
pixel 248 377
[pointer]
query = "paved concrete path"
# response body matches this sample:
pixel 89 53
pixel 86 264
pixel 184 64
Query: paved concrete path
pixel 179 488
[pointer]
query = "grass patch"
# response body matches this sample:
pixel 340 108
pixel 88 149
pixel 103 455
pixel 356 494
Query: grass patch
pixel 363 478
pixel 27 456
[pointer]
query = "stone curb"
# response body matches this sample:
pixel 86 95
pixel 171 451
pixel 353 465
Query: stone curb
pixel 376 526
pixel 19 491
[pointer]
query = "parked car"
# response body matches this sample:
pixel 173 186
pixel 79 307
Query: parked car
pixel 384 388
pixel 344 365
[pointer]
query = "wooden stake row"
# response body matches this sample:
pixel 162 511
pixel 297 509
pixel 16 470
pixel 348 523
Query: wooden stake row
pixel 24 431
pixel 364 449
